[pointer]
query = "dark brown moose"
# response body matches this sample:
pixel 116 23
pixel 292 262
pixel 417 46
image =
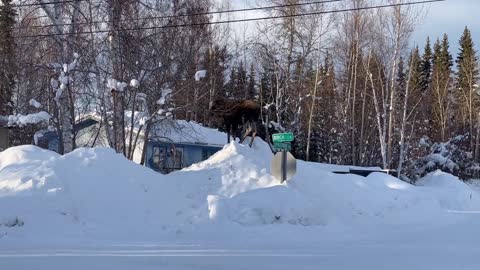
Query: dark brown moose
pixel 236 114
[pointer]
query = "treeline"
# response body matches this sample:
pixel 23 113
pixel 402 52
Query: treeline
pixel 352 86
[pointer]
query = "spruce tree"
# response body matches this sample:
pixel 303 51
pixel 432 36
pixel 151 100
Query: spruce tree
pixel 426 67
pixel 466 80
pixel 416 65
pixel 467 63
pixel 446 55
pixel 441 88
pixel 7 57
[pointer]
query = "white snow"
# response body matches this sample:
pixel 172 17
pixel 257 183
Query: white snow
pixel 165 96
pixel 36 137
pixel 134 83
pixel 94 207
pixel 35 103
pixel 29 119
pixel 189 132
pixel 114 85
pixel 53 83
pixel 200 75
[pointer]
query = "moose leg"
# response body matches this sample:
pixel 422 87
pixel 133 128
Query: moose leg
pixel 253 135
pixel 228 133
pixel 248 130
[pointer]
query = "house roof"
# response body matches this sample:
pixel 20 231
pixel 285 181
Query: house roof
pixel 169 130
pixel 187 132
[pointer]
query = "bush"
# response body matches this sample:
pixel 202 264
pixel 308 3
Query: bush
pixel 451 157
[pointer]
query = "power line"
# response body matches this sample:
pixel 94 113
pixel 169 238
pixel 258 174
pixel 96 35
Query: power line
pixel 47 3
pixel 239 20
pixel 189 15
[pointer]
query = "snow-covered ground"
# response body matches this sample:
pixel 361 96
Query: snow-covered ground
pixel 93 209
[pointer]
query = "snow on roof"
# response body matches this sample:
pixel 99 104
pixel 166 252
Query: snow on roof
pixel 168 130
pixel 190 132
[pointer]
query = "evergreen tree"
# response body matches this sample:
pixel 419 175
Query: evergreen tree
pixel 7 57
pixel 446 56
pixel 441 88
pixel 426 67
pixel 467 62
pixel 416 65
pixel 467 78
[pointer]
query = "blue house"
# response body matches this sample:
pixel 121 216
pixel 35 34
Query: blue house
pixel 172 144
pixel 166 157
pixel 177 144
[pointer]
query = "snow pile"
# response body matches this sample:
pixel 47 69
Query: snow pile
pixel 263 206
pixel 316 196
pixel 86 191
pixel 91 191
pixel 452 193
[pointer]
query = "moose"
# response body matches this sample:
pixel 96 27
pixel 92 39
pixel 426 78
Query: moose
pixel 236 113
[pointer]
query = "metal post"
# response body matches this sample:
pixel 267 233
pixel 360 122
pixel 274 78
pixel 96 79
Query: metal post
pixel 284 166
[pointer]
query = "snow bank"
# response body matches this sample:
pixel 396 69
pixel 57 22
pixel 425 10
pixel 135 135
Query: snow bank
pixel 452 193
pixel 98 192
pixel 24 154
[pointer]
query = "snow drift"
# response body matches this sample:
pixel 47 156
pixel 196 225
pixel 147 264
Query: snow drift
pixel 91 191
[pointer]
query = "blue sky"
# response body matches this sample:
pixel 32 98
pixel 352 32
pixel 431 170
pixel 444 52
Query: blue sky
pixel 450 17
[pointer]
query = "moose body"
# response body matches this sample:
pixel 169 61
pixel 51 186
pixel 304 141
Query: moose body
pixel 236 113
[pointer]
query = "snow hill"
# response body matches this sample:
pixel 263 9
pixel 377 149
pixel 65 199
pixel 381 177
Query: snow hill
pixel 100 194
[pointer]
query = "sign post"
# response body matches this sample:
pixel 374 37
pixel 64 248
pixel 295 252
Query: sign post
pixel 282 137
pixel 284 165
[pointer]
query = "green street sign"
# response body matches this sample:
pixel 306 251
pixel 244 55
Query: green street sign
pixel 285 146
pixel 282 137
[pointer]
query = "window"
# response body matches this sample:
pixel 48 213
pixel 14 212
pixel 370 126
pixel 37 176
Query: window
pixel 207 153
pixel 157 160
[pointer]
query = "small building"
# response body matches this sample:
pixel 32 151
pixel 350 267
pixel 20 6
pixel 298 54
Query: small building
pixel 172 144
pixel 165 157
pixel 88 131
pixel 177 144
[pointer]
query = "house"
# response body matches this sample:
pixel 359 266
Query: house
pixel 89 133
pixel 172 144
pixel 176 144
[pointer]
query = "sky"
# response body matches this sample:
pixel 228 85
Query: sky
pixel 450 16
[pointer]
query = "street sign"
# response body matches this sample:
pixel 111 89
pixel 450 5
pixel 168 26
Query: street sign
pixel 282 146
pixel 284 166
pixel 282 137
